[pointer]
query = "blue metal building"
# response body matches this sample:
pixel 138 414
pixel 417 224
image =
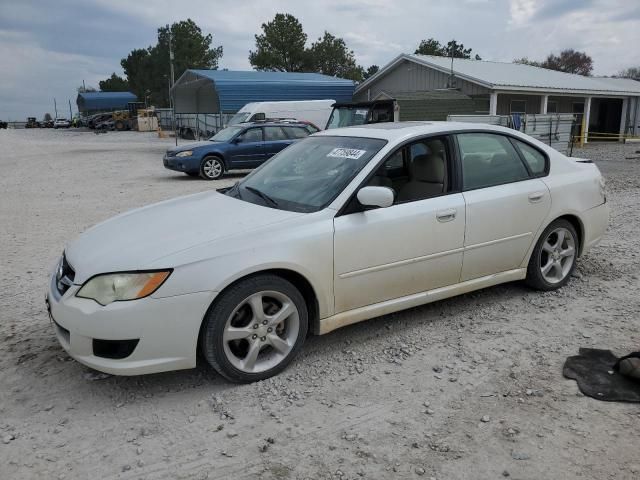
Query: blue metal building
pixel 89 102
pixel 223 91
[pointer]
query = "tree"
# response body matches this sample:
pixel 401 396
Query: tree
pixel 83 89
pixel 569 61
pixel 526 61
pixel 632 72
pixel 372 70
pixel 47 117
pixel 431 46
pixel 281 46
pixel 329 55
pixel 148 70
pixel 114 83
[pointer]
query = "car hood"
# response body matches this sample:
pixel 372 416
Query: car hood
pixel 136 239
pixel 188 146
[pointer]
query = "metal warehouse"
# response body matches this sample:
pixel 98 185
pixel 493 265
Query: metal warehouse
pixel 224 91
pixel 89 102
pixel 610 106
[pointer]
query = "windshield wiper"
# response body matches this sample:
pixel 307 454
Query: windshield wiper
pixel 262 195
pixel 235 190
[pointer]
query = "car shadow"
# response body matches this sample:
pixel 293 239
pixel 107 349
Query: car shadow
pixel 206 381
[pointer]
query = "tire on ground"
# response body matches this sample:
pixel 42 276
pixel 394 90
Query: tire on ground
pixel 211 334
pixel 534 278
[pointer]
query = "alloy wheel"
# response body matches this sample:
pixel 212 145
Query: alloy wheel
pixel 557 255
pixel 261 331
pixel 212 168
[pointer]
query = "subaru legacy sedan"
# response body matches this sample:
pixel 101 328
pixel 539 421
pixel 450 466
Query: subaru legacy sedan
pixel 340 227
pixel 245 146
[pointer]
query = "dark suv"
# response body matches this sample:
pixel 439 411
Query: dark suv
pixel 242 146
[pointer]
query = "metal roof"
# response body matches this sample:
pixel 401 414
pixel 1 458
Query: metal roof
pixel 234 89
pixel 517 77
pixel 90 101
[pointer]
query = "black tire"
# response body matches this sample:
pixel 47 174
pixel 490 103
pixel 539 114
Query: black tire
pixel 208 171
pixel 535 277
pixel 213 327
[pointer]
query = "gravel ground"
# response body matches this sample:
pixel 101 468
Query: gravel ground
pixel 467 388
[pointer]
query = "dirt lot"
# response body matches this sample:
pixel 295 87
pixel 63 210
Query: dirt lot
pixel 468 388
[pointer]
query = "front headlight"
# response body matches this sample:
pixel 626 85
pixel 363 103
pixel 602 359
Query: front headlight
pixel 186 153
pixel 114 287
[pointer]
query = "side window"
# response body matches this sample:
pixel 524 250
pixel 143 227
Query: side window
pixel 272 134
pixel 252 135
pixel 416 172
pixel 535 159
pixel 488 160
pixel 296 132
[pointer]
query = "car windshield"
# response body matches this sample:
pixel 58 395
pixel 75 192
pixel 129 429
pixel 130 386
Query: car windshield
pixel 308 175
pixel 226 134
pixel 347 117
pixel 238 118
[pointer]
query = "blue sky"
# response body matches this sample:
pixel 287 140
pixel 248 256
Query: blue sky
pixel 49 47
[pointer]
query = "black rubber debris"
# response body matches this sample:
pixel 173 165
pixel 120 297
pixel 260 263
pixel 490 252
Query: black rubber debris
pixel 595 372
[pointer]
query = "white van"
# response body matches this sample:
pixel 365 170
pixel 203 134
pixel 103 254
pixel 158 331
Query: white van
pixel 314 111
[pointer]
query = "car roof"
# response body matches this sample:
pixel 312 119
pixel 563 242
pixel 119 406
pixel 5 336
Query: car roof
pixel 392 131
pixel 271 124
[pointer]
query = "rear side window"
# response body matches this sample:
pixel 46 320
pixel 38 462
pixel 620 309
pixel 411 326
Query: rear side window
pixel 296 132
pixel 488 160
pixel 535 159
pixel 272 134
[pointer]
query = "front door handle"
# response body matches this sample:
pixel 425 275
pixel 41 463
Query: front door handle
pixel 536 197
pixel 446 215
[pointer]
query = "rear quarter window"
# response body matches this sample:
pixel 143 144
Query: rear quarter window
pixel 535 159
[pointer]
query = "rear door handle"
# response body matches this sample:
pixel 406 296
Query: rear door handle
pixel 535 197
pixel 446 215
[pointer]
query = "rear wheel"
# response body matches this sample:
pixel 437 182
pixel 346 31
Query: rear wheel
pixel 554 258
pixel 212 168
pixel 255 329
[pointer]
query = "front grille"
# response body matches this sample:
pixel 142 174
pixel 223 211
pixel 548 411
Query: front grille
pixel 64 275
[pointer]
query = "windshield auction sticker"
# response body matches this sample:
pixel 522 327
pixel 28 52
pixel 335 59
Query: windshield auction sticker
pixel 350 153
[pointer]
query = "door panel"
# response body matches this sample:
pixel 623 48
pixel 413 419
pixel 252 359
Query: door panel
pixel 501 225
pixel 391 252
pixel 275 140
pixel 249 152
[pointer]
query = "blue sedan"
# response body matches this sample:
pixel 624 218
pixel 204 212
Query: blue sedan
pixel 238 147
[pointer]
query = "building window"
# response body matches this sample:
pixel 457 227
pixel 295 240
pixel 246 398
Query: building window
pixel 552 107
pixel 518 106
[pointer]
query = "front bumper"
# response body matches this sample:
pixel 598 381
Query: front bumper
pixel 166 330
pixel 181 164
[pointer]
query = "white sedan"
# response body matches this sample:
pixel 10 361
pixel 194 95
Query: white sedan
pixel 340 227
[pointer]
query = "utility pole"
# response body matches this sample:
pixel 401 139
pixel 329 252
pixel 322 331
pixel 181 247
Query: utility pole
pixel 171 101
pixel 70 112
pixel 55 107
pixel 84 88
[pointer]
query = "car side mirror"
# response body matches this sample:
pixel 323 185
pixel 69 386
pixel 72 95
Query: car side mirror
pixel 236 140
pixel 381 197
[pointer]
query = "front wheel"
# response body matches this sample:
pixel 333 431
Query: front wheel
pixel 211 168
pixel 554 258
pixel 254 329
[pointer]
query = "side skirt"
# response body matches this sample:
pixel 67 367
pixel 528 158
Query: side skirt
pixel 389 306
